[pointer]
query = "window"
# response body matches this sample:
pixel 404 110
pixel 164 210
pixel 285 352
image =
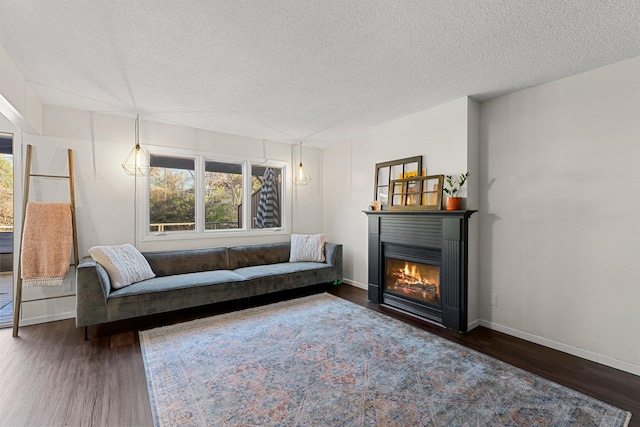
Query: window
pixel 266 196
pixel 171 194
pixel 223 195
pixel 202 195
pixel 7 250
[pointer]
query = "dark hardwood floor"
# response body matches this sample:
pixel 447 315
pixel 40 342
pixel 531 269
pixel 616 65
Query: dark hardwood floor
pixel 50 376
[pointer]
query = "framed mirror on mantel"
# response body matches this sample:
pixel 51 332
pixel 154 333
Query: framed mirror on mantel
pixel 417 192
pixel 393 170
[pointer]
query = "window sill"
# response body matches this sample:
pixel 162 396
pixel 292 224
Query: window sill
pixel 212 235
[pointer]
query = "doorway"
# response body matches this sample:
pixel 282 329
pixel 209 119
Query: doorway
pixel 6 230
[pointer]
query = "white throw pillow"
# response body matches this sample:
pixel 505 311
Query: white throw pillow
pixel 124 263
pixel 307 247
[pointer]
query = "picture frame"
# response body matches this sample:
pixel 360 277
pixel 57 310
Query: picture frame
pixel 416 193
pixel 392 170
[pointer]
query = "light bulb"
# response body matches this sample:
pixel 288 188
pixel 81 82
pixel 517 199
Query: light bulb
pixel 138 154
pixel 301 177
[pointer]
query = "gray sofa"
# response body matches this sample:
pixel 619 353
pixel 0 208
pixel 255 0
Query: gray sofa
pixel 189 278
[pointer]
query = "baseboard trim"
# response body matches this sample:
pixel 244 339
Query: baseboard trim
pixel 355 284
pixel 472 325
pixel 565 348
pixel 49 318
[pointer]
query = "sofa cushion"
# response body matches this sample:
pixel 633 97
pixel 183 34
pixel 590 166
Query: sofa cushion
pixel 124 264
pixel 307 247
pixel 250 255
pixel 187 280
pixel 254 272
pixel 168 263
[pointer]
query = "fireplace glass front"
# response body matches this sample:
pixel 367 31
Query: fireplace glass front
pixel 413 280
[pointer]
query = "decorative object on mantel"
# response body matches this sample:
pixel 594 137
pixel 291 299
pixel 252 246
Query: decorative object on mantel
pixel 417 192
pixel 394 169
pixel 301 176
pixel 375 205
pixel 137 162
pixel 454 185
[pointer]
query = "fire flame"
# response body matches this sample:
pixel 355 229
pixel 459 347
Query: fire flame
pixel 410 282
pixel 412 272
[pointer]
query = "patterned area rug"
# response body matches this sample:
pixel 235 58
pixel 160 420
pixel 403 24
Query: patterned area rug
pixel 321 360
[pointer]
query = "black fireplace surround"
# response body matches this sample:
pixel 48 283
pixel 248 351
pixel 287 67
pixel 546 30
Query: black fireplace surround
pixel 433 238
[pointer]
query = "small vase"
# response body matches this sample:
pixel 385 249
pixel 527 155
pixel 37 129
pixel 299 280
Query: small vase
pixel 454 203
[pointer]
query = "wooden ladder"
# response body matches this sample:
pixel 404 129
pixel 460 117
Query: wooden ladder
pixel 17 300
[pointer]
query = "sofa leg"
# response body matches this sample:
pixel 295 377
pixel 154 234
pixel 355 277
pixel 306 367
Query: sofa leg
pixel 86 333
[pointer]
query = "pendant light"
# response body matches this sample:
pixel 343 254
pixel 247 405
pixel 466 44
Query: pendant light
pixel 300 176
pixel 137 162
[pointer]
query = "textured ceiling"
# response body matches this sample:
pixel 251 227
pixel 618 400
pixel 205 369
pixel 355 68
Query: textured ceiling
pixel 303 70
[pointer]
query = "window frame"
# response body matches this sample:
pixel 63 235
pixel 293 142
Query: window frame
pixel 209 158
pixel 196 189
pixel 200 157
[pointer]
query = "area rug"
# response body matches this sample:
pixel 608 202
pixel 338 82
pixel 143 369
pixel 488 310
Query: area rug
pixel 321 360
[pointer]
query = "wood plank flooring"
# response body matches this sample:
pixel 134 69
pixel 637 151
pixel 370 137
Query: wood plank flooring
pixel 50 376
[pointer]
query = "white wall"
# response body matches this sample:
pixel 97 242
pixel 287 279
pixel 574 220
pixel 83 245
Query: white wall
pixel 440 135
pixel 105 194
pixel 18 102
pixel 308 218
pixel 559 231
pixel 473 202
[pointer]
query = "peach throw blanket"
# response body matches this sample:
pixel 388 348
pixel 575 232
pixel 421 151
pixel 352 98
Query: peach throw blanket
pixel 46 244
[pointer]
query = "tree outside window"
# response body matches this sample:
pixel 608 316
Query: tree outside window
pixel 223 195
pixel 6 191
pixel 172 204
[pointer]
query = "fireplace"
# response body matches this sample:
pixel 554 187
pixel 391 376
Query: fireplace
pixel 418 263
pixel 413 280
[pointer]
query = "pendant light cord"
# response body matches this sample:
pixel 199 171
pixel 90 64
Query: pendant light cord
pixel 135 186
pixel 135 210
pixel 293 188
